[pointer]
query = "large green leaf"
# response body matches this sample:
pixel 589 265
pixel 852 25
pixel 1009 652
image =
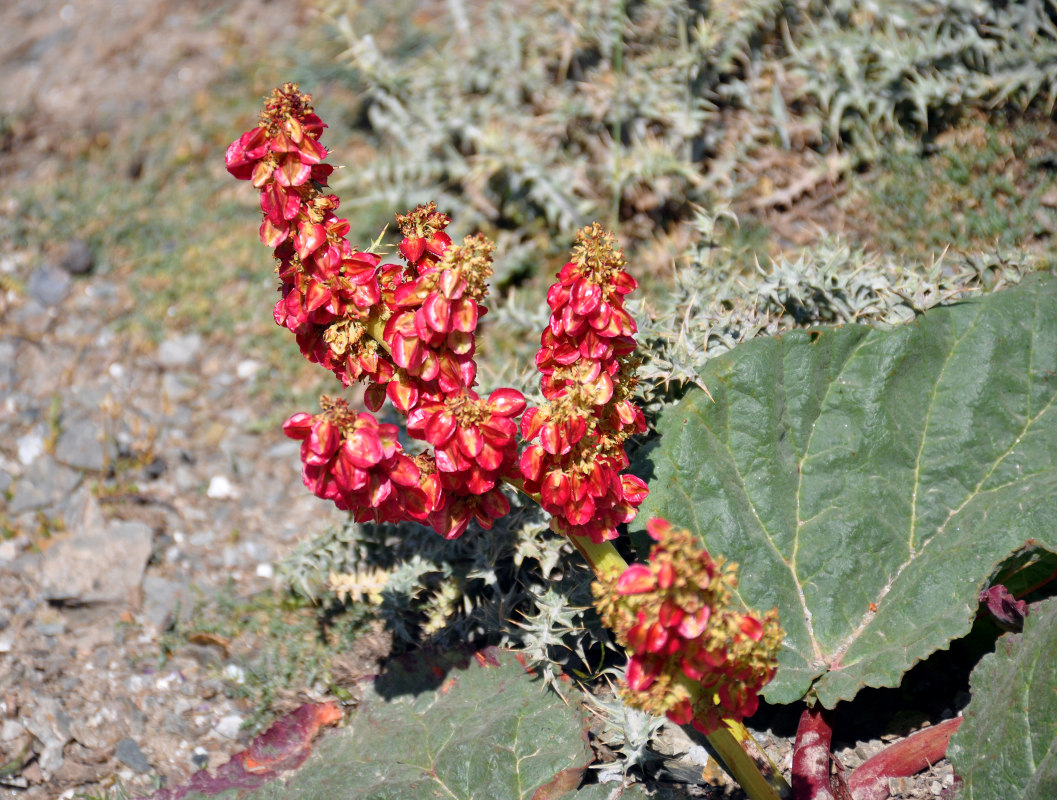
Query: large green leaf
pixel 438 726
pixel 853 469
pixel 1006 749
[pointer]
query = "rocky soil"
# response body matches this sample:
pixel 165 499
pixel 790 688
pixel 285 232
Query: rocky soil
pixel 133 481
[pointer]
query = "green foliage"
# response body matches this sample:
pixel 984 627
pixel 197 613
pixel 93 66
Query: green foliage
pixel 1005 748
pixel 446 725
pixel 869 482
pixel 529 119
pixel 974 188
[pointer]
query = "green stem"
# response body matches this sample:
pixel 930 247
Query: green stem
pixel 757 776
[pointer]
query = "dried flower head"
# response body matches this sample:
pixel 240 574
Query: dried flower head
pixel 693 656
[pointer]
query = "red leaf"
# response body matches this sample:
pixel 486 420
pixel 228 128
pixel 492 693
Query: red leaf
pixel 283 747
pixel 869 781
pixel 811 758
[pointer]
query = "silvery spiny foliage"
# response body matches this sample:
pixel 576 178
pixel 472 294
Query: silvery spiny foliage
pixel 872 69
pixel 473 589
pixel 530 118
pixel 627 731
pixel 714 304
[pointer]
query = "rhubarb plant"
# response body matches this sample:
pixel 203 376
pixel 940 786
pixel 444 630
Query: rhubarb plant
pixel 860 486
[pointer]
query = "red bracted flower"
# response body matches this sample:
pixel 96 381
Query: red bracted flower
pixel 451 520
pixel 473 439
pixel 692 655
pixel 424 239
pixel 329 291
pixel 587 367
pixel 358 463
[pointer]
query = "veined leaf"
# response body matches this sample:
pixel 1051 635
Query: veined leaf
pixel 1007 747
pixel 868 482
pixel 441 725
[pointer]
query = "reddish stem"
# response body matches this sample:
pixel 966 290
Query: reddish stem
pixel 869 781
pixel 811 758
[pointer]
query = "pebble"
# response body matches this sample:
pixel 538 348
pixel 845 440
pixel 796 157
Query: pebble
pixel 220 488
pixel 48 285
pixel 8 550
pixel 247 368
pixel 96 565
pixel 43 483
pixel 77 257
pixel 49 723
pixel 81 445
pixel 179 351
pixel 161 597
pixel 228 726
pixel 11 729
pixel 129 754
pixel 30 447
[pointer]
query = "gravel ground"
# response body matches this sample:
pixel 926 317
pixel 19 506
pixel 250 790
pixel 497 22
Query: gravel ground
pixel 131 476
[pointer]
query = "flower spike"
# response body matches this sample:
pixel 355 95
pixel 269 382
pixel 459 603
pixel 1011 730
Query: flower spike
pixel 693 656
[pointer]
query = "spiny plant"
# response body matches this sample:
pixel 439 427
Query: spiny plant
pixel 775 462
pixel 529 119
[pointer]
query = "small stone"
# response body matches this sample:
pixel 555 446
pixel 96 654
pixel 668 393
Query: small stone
pixel 229 726
pixel 51 725
pixel 235 673
pixel 81 445
pixel 42 484
pixel 247 368
pixel 6 644
pixel 30 447
pixel 129 754
pixel 50 628
pixel 77 257
pixel 100 562
pixel 220 488
pixel 174 724
pixel 936 787
pixel 48 285
pixel 161 598
pixel 156 468
pixel 265 571
pixel 8 550
pixel 11 729
pixel 179 351
pixel 5 481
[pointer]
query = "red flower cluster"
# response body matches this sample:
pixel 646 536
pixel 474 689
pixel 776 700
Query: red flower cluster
pixel 587 363
pixel 406 330
pixel 692 656
pixel 359 464
pixel 475 445
pixel 328 289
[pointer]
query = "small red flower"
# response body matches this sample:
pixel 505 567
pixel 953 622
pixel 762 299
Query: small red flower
pixel 358 463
